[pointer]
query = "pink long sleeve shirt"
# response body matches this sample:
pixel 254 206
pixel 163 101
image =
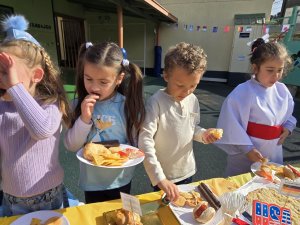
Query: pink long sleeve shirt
pixel 29 144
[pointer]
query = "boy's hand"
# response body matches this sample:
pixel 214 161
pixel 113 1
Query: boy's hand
pixel 9 71
pixel 208 136
pixel 170 189
pixel 285 133
pixel 87 108
pixel 254 155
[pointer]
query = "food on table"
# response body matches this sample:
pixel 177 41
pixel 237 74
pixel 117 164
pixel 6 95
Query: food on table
pixel 124 217
pixel 191 198
pixel 217 133
pixel 287 172
pixel 266 171
pixel 101 156
pixel 209 196
pixel 36 221
pixel 291 172
pixel 55 220
pixel 270 171
pixel 269 195
pixel 203 213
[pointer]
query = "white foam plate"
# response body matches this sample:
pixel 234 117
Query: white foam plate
pixel 185 214
pixel 129 163
pixel 42 215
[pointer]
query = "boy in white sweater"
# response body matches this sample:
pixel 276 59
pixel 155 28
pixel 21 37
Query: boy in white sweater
pixel 172 121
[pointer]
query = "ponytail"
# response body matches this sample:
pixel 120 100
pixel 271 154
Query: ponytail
pixel 134 103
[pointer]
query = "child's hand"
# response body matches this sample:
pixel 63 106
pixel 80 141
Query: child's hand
pixel 283 136
pixel 254 155
pixel 87 108
pixel 208 137
pixel 9 71
pixel 170 189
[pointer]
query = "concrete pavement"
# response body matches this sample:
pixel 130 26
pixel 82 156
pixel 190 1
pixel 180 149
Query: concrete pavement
pixel 210 160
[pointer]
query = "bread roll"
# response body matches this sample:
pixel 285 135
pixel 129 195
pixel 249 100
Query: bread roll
pixel 287 172
pixel 202 213
pixel 218 133
pixel 124 217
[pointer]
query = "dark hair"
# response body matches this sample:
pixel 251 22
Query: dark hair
pixel 256 43
pixel 262 52
pixel 50 89
pixel 109 54
pixel 187 56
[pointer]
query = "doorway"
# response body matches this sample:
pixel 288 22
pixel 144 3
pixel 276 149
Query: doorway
pixel 70 35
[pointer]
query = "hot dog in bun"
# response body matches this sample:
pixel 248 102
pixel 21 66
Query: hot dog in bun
pixel 202 213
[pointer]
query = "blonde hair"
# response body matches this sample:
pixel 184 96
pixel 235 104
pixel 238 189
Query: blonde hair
pixel 50 88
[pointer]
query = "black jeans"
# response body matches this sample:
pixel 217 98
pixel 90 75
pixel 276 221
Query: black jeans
pixel 106 195
pixel 185 181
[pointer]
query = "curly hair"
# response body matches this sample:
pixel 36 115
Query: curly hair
pixel 50 89
pixel 268 51
pixel 187 56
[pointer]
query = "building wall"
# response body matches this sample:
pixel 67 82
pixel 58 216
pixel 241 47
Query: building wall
pixel 68 8
pixel 41 21
pixel 139 37
pixel 210 13
pixel 139 34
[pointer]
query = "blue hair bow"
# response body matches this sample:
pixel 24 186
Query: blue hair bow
pixel 15 27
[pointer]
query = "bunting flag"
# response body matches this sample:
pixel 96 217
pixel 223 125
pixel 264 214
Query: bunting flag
pixel 285 27
pixel 215 29
pixel 226 29
pixel 191 28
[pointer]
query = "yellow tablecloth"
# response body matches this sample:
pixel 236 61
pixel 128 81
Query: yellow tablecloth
pixel 91 214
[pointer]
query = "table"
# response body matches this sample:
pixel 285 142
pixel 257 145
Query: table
pixel 91 214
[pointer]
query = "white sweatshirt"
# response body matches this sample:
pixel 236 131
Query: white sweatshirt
pixel 167 137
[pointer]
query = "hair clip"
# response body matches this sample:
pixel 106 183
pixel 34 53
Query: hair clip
pixel 15 27
pixel 125 62
pixel 88 44
pixel 265 38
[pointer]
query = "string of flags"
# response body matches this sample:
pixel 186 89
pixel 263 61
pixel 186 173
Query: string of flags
pixel 227 28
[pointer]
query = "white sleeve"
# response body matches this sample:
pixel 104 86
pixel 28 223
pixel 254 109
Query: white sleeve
pixel 76 136
pixel 291 122
pixel 147 144
pixel 198 132
pixel 233 119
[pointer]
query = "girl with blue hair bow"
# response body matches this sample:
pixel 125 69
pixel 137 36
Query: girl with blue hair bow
pixel 32 106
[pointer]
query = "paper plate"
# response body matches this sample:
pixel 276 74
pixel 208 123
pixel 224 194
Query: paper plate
pixel 42 215
pixel 185 214
pixel 129 163
pixel 256 166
